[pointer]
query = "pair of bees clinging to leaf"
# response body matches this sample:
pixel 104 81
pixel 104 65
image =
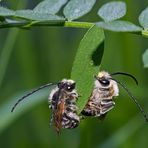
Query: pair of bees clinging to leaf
pixel 62 100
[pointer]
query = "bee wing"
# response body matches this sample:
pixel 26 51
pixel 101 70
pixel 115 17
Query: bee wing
pixel 58 114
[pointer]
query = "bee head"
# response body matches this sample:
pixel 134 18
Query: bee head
pixel 103 78
pixel 68 85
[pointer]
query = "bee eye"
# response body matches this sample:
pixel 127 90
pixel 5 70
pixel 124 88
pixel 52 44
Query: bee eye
pixel 104 82
pixel 70 87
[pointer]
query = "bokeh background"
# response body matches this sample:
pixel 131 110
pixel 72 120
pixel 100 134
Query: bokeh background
pixel 30 58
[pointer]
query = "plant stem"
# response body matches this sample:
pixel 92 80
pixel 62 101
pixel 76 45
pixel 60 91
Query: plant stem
pixel 28 24
pixel 78 24
pixel 145 32
pixel 62 23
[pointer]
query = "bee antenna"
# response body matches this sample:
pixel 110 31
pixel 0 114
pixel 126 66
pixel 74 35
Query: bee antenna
pixel 133 98
pixel 126 74
pixel 35 90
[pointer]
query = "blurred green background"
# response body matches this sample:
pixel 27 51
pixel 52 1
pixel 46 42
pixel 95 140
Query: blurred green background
pixel 30 58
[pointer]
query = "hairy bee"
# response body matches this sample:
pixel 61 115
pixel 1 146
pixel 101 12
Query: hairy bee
pixel 105 89
pixel 101 99
pixel 62 101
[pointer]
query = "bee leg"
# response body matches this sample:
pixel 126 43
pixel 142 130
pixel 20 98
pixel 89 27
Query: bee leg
pixel 106 106
pixel 51 121
pixel 82 117
pixel 102 117
pixel 91 109
pixel 88 112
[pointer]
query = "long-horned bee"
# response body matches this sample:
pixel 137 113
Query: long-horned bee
pixel 105 89
pixel 62 101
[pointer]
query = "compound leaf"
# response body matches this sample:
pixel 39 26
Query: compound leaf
pixel 50 6
pixel 119 26
pixel 77 8
pixel 37 16
pixel 6 12
pixel 143 18
pixel 112 11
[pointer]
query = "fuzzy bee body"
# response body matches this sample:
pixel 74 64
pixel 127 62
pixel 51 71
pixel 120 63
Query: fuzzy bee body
pixel 62 101
pixel 101 99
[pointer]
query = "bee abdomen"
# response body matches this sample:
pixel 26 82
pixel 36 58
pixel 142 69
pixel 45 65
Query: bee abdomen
pixel 91 109
pixel 89 112
pixel 99 109
pixel 70 120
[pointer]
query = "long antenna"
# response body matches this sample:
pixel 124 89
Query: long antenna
pixel 134 99
pixel 35 90
pixel 126 74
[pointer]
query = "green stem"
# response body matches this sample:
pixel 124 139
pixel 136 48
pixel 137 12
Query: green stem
pixel 28 24
pixel 145 32
pixel 78 24
pixel 62 23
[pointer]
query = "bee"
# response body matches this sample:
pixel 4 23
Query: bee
pixel 62 102
pixel 105 89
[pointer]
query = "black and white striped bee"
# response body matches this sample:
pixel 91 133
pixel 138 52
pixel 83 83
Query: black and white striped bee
pixel 62 102
pixel 105 89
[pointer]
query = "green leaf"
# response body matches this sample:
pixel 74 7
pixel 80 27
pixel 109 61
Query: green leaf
pixel 32 15
pixel 143 18
pixel 87 63
pixel 50 6
pixel 77 8
pixel 6 12
pixel 119 26
pixel 145 58
pixel 112 11
pixel 5 109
